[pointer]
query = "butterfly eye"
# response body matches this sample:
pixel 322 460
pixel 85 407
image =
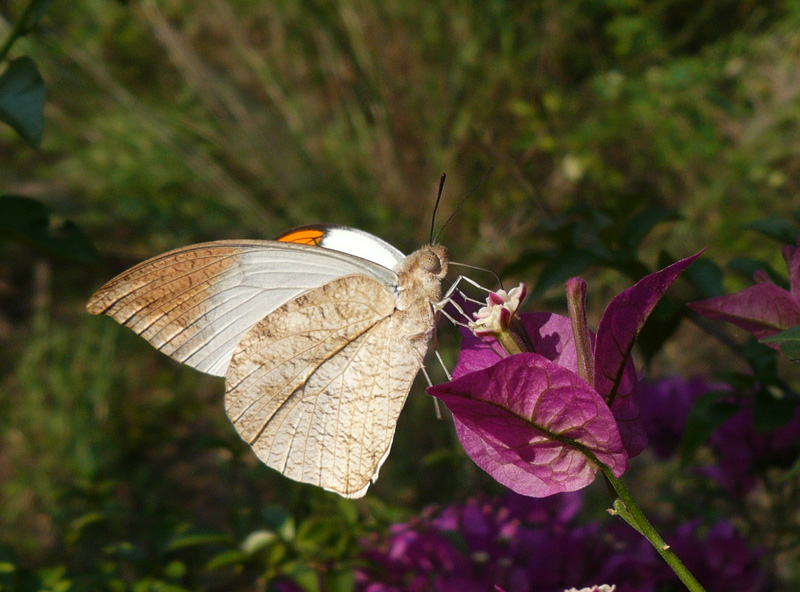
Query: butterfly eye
pixel 431 263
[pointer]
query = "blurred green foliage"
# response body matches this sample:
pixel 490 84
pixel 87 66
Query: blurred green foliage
pixel 625 133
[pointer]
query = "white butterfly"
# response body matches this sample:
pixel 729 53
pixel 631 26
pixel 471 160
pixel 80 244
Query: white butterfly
pixel 318 346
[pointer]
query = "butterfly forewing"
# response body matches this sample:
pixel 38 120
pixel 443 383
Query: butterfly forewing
pixel 317 386
pixel 196 303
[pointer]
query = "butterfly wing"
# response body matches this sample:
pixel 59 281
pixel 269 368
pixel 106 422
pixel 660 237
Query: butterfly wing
pixel 317 386
pixel 347 240
pixel 196 303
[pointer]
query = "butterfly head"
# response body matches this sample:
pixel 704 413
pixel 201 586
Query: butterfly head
pixel 433 259
pixel 420 275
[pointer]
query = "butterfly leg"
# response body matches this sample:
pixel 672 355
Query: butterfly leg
pixel 454 288
pixel 437 409
pixel 439 307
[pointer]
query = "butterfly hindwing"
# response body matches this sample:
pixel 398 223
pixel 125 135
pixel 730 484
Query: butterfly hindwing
pixel 317 386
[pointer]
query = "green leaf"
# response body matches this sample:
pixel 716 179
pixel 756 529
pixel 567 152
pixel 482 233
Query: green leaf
pixel 706 276
pixel 124 550
pixel 341 580
pixel 629 266
pixel 85 520
pixel 303 575
pixel 197 540
pixel 642 223
pixel 38 8
pixel 747 267
pixel 275 554
pixel 29 221
pixel 54 578
pixel 770 413
pixel 227 558
pixel 175 570
pixel 562 267
pixel 778 228
pixel 348 510
pixel 258 540
pixel 660 326
pixel 707 414
pixel 322 536
pixel 435 457
pixel 791 473
pixel 763 361
pixel 279 520
pixel 79 525
pixel 154 585
pixel 22 94
pixel 788 341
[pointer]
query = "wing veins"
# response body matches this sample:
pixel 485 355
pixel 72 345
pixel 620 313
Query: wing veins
pixel 289 336
pixel 309 348
pixel 341 374
pixel 140 272
pixel 217 330
pixel 316 396
pixel 302 390
pixel 141 294
pixel 176 296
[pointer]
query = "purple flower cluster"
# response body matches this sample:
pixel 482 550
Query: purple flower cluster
pixel 522 544
pixel 665 405
pixel 741 452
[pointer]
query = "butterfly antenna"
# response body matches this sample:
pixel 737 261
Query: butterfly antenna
pixel 436 207
pixel 461 203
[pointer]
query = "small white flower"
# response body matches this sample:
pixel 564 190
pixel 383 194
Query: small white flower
pixel 500 308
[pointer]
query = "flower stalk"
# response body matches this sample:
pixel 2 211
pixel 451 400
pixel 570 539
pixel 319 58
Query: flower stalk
pixel 627 509
pixel 576 302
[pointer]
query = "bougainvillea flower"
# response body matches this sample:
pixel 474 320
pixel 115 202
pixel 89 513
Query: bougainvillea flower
pixel 532 420
pixel 719 558
pixel 666 404
pixel 520 544
pixel 763 309
pixel 743 452
pixel 528 422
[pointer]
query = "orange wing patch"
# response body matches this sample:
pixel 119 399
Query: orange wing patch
pixel 305 236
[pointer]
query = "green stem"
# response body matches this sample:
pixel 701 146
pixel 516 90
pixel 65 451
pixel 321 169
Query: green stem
pixel 629 511
pixel 17 31
pixel 510 342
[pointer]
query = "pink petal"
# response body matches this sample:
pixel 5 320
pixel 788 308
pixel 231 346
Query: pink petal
pixel 510 416
pixel 763 310
pixel 792 256
pixel 550 334
pixel 615 377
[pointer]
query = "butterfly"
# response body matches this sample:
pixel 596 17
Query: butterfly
pixel 318 333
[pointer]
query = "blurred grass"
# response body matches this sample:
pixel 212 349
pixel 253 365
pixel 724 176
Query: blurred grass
pixel 175 122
